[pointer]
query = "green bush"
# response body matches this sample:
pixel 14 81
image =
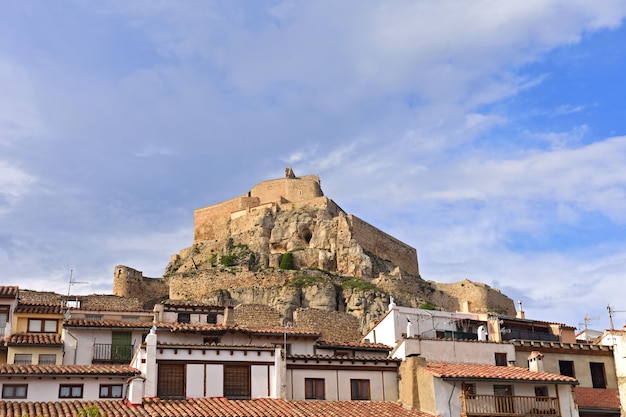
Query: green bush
pixel 428 306
pixel 228 260
pixel 286 261
pixel 302 281
pixel 358 283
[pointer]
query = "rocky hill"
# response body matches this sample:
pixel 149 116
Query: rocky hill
pixel 286 246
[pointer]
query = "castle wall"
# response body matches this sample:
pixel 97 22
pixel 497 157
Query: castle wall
pixel 128 282
pixel 385 246
pixel 288 189
pixel 210 221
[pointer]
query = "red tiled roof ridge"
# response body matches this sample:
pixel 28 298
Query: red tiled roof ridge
pixel 363 345
pixel 9 291
pixel 216 406
pixel 18 369
pixel 490 372
pixel 35 339
pixel 343 357
pixel 215 345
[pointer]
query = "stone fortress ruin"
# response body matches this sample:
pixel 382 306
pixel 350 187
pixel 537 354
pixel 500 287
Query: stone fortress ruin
pixel 287 246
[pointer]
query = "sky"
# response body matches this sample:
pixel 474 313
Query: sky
pixel 490 135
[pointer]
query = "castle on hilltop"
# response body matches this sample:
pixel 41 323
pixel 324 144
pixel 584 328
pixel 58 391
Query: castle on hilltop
pixel 240 215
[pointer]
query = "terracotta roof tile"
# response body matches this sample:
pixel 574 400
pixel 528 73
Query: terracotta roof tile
pixel 8 291
pixel 346 358
pixel 108 323
pixel 35 339
pixel 38 308
pixel 213 407
pixel 353 345
pixel 492 372
pixel 67 370
pixel 597 398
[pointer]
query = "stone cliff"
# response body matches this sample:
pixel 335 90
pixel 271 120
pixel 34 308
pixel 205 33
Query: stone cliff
pixel 287 246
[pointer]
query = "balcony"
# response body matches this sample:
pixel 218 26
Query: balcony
pixel 106 352
pixel 509 406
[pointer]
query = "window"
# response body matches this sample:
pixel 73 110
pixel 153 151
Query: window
pixel 184 318
pixel 314 389
pixel 23 359
pixel 42 326
pixel 500 359
pixel 130 318
pixel 237 381
pixel 93 317
pixel 47 359
pixel 598 377
pixel 14 390
pixel 341 352
pixel 359 389
pixel 567 368
pixel 72 303
pixel 211 318
pixel 211 340
pixel 4 316
pixel 541 391
pixel 71 391
pixel 171 380
pixel 111 391
pixel 469 389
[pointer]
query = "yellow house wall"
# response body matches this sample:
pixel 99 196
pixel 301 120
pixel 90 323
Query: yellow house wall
pixel 20 322
pixel 35 351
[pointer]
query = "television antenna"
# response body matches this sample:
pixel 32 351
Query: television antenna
pixel 586 321
pixel 72 282
pixel 611 311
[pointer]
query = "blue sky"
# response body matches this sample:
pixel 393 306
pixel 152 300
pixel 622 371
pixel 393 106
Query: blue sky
pixel 489 135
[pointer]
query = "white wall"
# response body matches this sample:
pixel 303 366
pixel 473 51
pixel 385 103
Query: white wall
pixel 454 351
pixel 47 389
pixel 383 384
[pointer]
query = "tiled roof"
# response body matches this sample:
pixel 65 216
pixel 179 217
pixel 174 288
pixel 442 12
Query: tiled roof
pixel 345 358
pixel 353 345
pixel 108 323
pixel 67 370
pixel 492 372
pixel 193 327
pixel 214 407
pixel 190 303
pixel 39 308
pixel 35 339
pixel 8 291
pixel 597 398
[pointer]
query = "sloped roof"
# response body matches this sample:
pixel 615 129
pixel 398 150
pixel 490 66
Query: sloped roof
pixel 67 370
pixel 35 339
pixel 597 398
pixel 214 407
pixel 353 345
pixel 493 373
pixel 8 291
pixel 38 308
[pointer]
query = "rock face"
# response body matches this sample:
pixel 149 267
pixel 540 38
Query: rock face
pixel 287 246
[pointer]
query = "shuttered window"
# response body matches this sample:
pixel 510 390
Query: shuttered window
pixel 171 383
pixel 237 381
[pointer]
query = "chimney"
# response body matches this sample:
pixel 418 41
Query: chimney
pixel 229 316
pixel 535 361
pixel 466 306
pixel 409 328
pixel 520 313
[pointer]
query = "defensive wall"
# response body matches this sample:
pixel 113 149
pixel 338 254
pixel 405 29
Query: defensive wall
pixel 384 246
pixel 129 282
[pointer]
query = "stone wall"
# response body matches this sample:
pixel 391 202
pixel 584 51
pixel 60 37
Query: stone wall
pixel 257 315
pixel 130 283
pixel 384 245
pixel 479 298
pixel 333 325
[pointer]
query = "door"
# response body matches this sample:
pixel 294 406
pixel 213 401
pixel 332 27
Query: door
pixel 121 346
pixel 504 398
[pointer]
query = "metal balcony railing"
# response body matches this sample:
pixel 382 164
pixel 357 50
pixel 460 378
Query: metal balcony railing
pixel 107 352
pixel 509 406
